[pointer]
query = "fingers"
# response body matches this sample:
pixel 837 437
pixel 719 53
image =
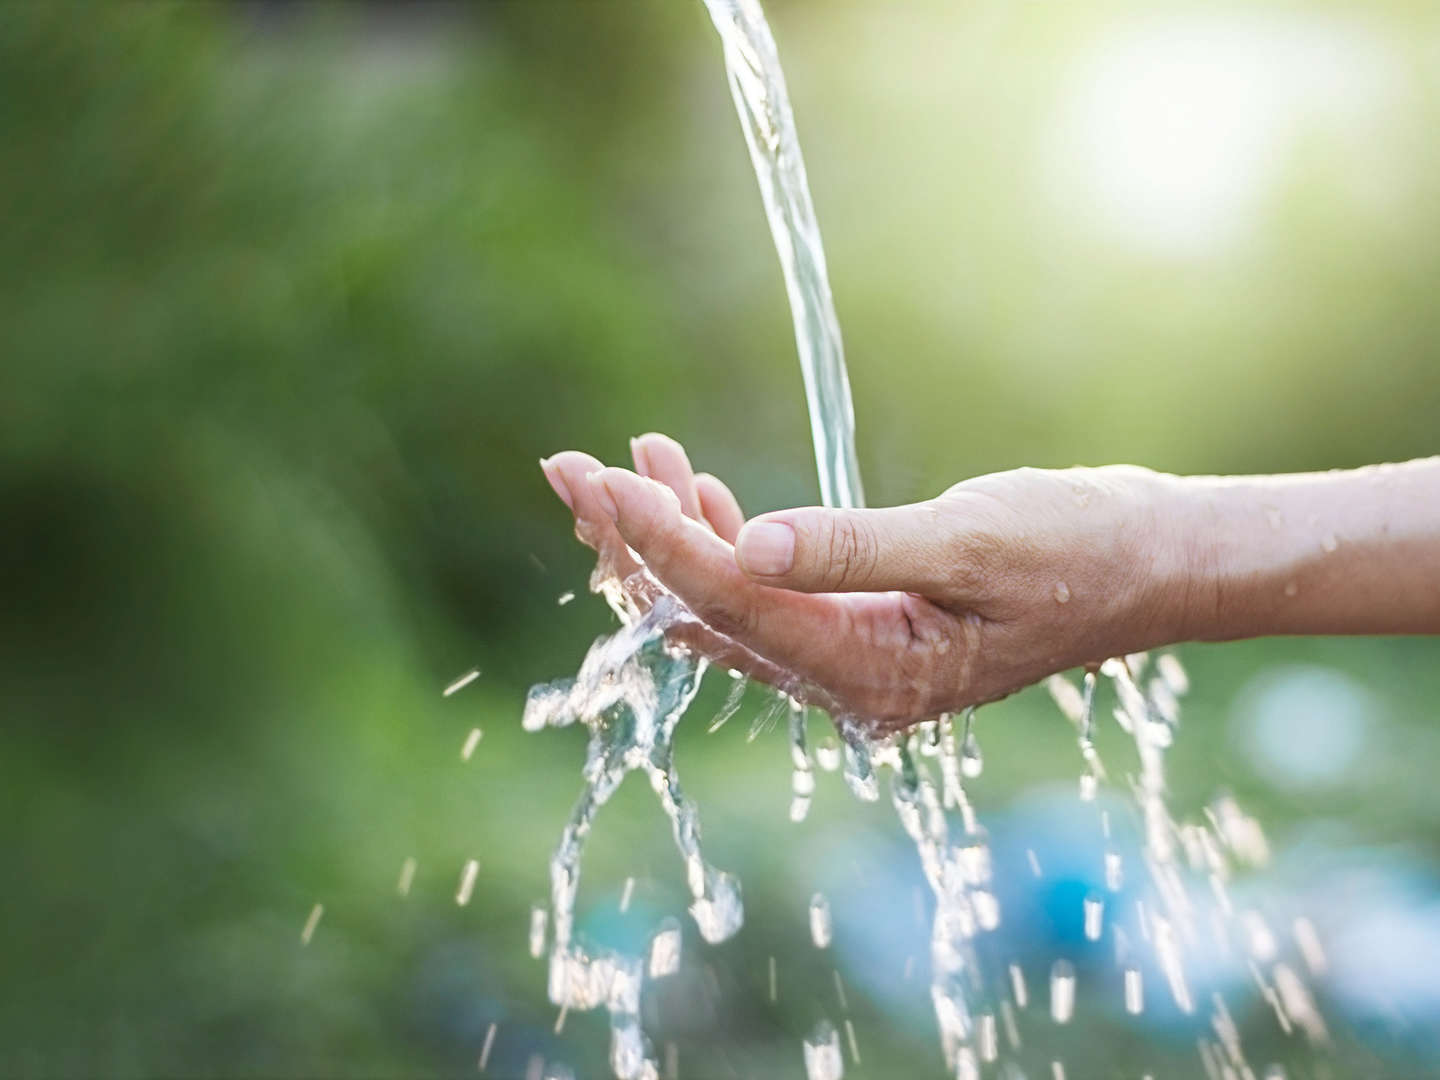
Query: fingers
pixel 720 507
pixel 566 473
pixel 797 632
pixel 818 550
pixel 661 458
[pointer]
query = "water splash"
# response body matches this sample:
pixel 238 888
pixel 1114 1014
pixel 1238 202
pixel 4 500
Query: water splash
pixel 633 688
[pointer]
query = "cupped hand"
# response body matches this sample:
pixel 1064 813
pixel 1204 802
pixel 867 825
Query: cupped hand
pixel 893 615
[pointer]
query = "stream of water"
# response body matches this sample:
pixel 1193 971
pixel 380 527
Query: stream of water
pixel 633 689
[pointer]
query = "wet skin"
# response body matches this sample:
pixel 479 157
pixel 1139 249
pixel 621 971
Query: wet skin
pixel 895 615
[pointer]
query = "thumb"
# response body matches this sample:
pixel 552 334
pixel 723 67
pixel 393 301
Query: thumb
pixel 818 550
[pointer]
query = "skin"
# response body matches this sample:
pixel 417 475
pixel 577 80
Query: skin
pixel 895 615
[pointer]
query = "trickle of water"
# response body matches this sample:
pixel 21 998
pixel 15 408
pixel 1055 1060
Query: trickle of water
pixel 1062 991
pixel 822 1053
pixel 820 926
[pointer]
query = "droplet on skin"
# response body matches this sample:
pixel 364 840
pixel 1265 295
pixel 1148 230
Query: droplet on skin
pixel 1062 593
pixel 1330 543
pixel 1291 588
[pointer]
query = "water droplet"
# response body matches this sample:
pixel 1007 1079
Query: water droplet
pixel 850 1038
pixel 827 753
pixel 565 597
pixel 485 1049
pixel 820 927
pixel 987 1038
pixel 1134 992
pixel 665 949
pixel 1308 942
pixel 1330 543
pixel 462 682
pixel 313 921
pixel 1114 871
pixel 1094 916
pixel 1017 987
pixel 822 1053
pixel 467 882
pixel 539 918
pixel 1291 588
pixel 1062 593
pixel 1062 991
pixel 626 893
pixel 471 741
pixel 407 876
pixel 802 782
pixel 972 761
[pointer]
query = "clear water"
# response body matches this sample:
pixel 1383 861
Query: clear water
pixel 633 689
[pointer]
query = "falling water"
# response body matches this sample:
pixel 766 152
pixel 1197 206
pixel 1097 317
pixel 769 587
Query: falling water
pixel 634 687
pixel 758 86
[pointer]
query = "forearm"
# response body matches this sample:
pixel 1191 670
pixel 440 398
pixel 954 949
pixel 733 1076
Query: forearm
pixel 1324 553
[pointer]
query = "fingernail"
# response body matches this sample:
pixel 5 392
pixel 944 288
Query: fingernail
pixel 641 456
pixel 603 495
pixel 766 547
pixel 558 483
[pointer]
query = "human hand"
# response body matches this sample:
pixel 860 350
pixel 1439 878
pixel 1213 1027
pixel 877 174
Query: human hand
pixel 894 615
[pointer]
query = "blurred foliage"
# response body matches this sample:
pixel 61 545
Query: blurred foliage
pixel 293 299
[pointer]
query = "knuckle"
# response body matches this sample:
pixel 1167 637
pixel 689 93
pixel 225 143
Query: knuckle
pixel 737 621
pixel 852 553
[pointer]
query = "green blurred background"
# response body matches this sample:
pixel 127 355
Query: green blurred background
pixel 293 297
